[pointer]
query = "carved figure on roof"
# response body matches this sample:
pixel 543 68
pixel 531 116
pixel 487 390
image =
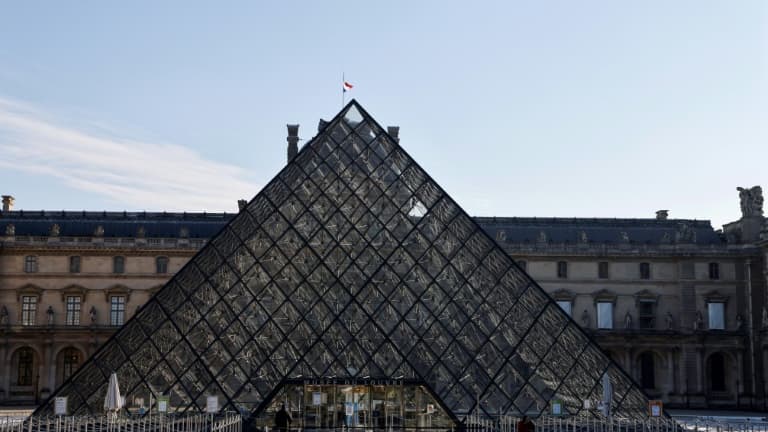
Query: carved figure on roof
pixel 141 232
pixel 751 201
pixel 583 238
pixel 10 230
pixel 542 237
pixel 99 231
pixel 501 235
pixel 585 319
pixel 4 316
pixel 55 230
pixel 685 234
pixel 184 232
pixel 624 237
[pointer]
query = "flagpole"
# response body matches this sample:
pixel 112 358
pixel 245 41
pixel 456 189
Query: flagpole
pixel 343 90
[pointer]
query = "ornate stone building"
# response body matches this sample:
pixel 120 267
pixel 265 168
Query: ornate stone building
pixel 681 306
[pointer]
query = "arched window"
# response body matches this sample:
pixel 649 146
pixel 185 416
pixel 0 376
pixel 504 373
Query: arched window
pixel 717 372
pixel 647 371
pixel 70 360
pixel 25 368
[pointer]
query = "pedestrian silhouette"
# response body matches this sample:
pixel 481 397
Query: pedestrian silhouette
pixel 282 419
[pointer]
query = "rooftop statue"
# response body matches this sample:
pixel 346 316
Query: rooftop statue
pixel 751 201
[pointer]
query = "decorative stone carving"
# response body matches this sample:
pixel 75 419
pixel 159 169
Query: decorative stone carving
pixel 141 232
pixel 666 238
pixel 184 232
pixel 241 203
pixel 585 319
pixel 698 324
pixel 92 315
pixel 10 230
pixel 4 316
pixel 99 231
pixel 501 236
pixel 765 318
pixel 670 321
pixel 55 230
pixel 628 321
pixel 50 315
pixel 739 322
pixel 624 237
pixel 751 201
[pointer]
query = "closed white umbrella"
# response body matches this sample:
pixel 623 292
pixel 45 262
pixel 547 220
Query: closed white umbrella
pixel 113 402
pixel 607 394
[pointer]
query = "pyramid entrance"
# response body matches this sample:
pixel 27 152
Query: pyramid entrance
pixel 356 404
pixel 353 264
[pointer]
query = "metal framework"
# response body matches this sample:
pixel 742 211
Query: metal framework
pixel 353 263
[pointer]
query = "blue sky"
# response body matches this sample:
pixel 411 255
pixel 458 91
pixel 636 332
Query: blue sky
pixel 554 108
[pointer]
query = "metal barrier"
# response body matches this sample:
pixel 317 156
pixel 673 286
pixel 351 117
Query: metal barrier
pixel 227 422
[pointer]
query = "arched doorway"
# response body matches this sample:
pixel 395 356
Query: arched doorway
pixel 647 366
pixel 67 362
pixel 717 372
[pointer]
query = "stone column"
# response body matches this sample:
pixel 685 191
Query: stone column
pixel 670 372
pixel 700 369
pixel 5 370
pixel 740 372
pixel 51 381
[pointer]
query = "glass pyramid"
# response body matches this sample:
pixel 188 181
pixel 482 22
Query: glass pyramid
pixel 353 264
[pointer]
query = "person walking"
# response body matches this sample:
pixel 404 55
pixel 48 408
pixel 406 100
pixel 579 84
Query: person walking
pixel 282 419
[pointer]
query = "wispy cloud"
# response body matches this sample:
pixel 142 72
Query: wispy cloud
pixel 137 174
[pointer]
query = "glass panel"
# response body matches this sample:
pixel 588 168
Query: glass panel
pixel 565 305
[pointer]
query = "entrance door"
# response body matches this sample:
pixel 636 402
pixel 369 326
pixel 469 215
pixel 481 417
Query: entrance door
pixel 356 406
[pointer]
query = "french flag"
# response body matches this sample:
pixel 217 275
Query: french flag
pixel 347 86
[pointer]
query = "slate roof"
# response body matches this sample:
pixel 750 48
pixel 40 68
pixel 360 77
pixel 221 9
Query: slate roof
pixel 515 229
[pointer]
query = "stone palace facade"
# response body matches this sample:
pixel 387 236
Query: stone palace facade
pixel 679 305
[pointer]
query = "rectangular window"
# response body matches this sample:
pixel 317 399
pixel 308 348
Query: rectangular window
pixel 604 315
pixel 714 271
pixel 562 269
pixel 161 265
pixel 565 305
pixel 118 265
pixel 645 270
pixel 647 314
pixel 28 310
pixel 602 270
pixel 30 264
pixel 74 264
pixel 73 310
pixel 716 313
pixel 117 310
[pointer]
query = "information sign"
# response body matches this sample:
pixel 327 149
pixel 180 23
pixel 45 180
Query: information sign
pixel 557 407
pixel 656 408
pixel 317 398
pixel 430 408
pixel 162 404
pixel 60 406
pixel 212 404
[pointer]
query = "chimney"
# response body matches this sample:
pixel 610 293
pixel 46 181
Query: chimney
pixel 321 125
pixel 241 203
pixel 293 141
pixel 394 132
pixel 662 214
pixel 8 203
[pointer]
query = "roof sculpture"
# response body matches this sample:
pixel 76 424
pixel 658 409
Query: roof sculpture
pixel 352 262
